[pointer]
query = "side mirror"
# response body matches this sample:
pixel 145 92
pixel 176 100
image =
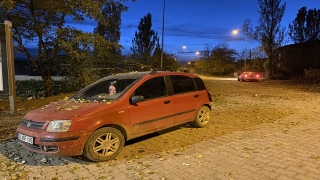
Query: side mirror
pixel 136 99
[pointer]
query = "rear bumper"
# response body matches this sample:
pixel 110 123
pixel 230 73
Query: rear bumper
pixel 248 79
pixel 54 144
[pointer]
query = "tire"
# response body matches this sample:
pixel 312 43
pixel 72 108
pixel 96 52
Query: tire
pixel 104 144
pixel 202 118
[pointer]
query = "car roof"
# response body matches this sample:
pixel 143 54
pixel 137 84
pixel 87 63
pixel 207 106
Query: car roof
pixel 139 75
pixel 249 72
pixel 129 75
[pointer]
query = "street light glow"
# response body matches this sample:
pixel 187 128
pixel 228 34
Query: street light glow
pixel 236 31
pixel 177 50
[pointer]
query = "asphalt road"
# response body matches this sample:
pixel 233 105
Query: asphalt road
pixel 218 78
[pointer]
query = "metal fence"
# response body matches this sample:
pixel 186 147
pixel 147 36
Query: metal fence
pixel 37 78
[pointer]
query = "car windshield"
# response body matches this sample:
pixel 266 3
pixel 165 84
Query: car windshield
pixel 104 89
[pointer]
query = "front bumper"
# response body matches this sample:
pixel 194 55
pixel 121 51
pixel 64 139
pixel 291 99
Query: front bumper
pixel 55 144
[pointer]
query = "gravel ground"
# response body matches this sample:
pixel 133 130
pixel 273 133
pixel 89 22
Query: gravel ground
pixel 236 107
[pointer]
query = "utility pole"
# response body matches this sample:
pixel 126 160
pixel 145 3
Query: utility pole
pixel 164 6
pixel 11 72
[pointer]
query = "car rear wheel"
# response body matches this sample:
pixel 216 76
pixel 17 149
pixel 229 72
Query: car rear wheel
pixel 202 118
pixel 104 144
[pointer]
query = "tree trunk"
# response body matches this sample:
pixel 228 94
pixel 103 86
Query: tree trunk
pixel 48 86
pixel 270 68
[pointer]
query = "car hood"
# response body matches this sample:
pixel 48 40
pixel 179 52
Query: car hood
pixel 61 110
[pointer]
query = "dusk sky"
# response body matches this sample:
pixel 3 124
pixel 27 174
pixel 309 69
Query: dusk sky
pixel 194 23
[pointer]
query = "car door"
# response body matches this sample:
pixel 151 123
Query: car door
pixel 185 98
pixel 156 111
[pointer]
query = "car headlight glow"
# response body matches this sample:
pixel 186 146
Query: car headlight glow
pixel 59 126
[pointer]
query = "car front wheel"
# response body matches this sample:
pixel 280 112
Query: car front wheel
pixel 202 118
pixel 104 144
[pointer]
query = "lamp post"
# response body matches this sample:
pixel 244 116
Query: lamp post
pixel 196 59
pixel 164 5
pixel 235 32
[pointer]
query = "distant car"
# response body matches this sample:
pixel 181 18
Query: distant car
pixel 98 120
pixel 249 76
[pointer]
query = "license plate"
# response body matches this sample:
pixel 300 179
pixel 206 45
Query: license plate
pixel 25 138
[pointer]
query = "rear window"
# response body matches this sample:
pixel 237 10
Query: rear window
pixel 200 84
pixel 249 73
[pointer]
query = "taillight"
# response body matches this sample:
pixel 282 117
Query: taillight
pixel 209 95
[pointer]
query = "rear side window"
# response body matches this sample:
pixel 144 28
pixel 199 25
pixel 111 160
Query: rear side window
pixel 182 84
pixel 152 88
pixel 200 84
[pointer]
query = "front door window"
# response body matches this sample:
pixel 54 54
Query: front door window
pixel 156 111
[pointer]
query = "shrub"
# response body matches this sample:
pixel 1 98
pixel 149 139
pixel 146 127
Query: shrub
pixel 312 75
pixel 36 88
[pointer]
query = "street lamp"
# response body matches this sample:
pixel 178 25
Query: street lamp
pixel 164 5
pixel 235 32
pixel 176 51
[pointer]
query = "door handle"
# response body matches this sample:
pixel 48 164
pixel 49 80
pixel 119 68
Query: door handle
pixel 195 96
pixel 166 102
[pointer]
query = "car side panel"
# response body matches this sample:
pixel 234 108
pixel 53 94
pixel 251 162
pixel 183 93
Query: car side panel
pixel 156 111
pixel 151 115
pixel 187 99
pixel 186 105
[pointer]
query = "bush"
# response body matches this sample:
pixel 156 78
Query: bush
pixel 36 88
pixel 312 75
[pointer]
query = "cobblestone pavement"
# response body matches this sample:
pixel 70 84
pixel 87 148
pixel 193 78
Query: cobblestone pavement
pixel 264 152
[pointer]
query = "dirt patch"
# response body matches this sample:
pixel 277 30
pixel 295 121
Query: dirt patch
pixel 236 106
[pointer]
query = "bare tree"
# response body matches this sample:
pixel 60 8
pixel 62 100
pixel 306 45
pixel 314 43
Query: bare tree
pixel 269 32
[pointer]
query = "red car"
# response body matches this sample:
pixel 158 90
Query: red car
pixel 98 120
pixel 249 76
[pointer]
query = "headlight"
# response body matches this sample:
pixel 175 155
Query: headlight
pixel 59 126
